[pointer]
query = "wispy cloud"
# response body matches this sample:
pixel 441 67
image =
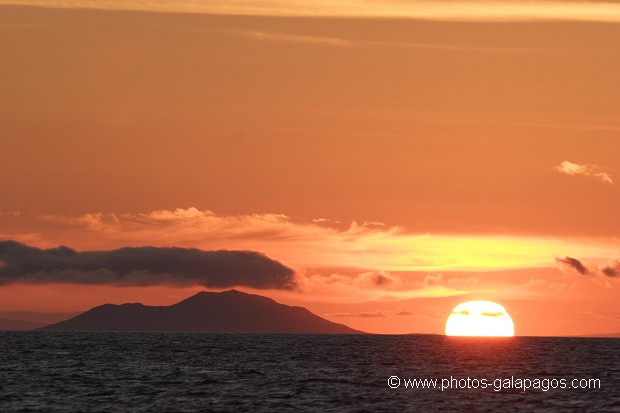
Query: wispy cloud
pixel 610 269
pixel 482 10
pixel 319 40
pixel 492 314
pixel 573 264
pixel 308 244
pixel 591 171
pixel 404 313
pixel 294 38
pixel 364 314
pixel 378 285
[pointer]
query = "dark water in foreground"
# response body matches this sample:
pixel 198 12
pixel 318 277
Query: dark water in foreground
pixel 51 371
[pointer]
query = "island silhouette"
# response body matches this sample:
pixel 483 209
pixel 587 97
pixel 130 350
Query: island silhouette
pixel 229 311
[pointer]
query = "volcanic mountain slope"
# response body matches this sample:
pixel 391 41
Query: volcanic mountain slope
pixel 224 312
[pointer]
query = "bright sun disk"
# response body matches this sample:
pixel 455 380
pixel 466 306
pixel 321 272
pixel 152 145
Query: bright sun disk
pixel 480 318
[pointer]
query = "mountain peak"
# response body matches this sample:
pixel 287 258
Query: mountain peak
pixel 208 293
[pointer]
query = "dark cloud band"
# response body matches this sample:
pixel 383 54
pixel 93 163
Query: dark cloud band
pixel 142 266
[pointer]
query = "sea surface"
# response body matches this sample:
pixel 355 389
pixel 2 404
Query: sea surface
pixel 170 372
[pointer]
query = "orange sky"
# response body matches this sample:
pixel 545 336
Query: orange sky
pixel 455 155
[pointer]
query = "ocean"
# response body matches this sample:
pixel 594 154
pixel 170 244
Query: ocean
pixel 172 372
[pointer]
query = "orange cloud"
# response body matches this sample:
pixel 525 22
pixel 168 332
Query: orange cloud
pixel 591 171
pixel 311 244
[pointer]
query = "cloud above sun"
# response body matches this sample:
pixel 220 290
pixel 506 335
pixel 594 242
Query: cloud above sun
pixel 590 171
pixel 308 244
pixel 319 257
pixel 608 269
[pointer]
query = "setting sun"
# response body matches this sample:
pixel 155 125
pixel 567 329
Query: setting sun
pixel 480 318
